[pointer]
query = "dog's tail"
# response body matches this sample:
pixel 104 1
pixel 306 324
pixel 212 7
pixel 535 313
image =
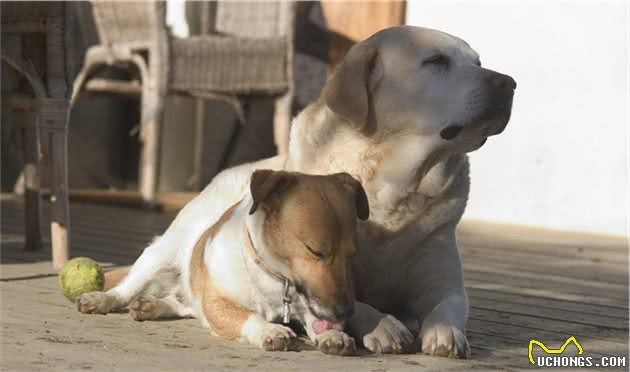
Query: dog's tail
pixel 113 277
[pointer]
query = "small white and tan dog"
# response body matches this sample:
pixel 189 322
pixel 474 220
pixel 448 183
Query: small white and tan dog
pixel 281 253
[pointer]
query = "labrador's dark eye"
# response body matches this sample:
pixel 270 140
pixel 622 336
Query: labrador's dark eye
pixel 437 60
pixel 315 253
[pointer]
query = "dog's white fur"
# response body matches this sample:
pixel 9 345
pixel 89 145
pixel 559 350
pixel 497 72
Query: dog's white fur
pixel 417 184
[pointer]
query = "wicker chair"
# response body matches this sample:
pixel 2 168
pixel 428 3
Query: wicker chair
pixel 252 54
pixel 42 109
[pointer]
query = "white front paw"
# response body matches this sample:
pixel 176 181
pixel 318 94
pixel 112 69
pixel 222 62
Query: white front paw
pixel 335 342
pixel 273 337
pixel 95 303
pixel 145 308
pixel 389 336
pixel 443 339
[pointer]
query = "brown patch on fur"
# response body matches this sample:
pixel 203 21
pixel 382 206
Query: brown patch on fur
pixel 114 277
pixel 264 182
pixel 225 317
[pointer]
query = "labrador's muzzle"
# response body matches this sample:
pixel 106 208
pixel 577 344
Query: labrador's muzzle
pixel 487 106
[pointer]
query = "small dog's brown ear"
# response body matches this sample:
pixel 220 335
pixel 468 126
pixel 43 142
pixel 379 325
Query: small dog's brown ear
pixel 360 197
pixel 347 91
pixel 264 182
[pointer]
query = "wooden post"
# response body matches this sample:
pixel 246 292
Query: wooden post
pixel 282 121
pixel 283 104
pixel 150 128
pixel 60 225
pixel 53 117
pixel 54 114
pixel 148 162
pixel 200 109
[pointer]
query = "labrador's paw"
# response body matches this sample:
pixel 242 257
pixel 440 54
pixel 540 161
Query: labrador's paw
pixel 335 342
pixel 389 336
pixel 444 340
pixel 96 303
pixel 275 337
pixel 145 308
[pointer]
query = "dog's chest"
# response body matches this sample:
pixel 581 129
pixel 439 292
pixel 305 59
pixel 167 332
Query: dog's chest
pixel 391 208
pixel 392 241
pixel 396 206
pixel 267 298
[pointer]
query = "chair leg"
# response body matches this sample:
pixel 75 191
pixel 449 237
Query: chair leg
pixel 27 120
pixel 152 108
pixel 282 122
pixel 60 225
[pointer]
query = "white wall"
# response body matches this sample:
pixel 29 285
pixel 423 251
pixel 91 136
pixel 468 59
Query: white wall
pixel 562 162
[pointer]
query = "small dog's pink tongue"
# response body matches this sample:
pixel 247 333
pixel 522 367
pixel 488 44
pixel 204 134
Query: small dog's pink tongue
pixel 320 326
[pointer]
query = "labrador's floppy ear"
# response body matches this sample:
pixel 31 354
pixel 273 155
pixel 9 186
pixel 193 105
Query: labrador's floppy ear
pixel 264 182
pixel 360 197
pixel 347 91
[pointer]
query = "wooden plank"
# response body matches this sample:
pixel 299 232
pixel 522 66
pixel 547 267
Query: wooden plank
pixel 553 294
pixel 167 201
pixel 140 239
pixel 571 290
pixel 97 214
pixel 535 252
pixel 495 235
pixel 547 303
pixel 548 280
pixel 116 221
pixel 511 356
pixel 551 325
pixel 517 343
pixel 577 317
pixel 493 338
pixel 573 268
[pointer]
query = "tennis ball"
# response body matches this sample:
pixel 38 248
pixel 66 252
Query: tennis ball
pixel 80 275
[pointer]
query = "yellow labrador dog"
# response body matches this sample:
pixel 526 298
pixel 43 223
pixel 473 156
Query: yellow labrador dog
pixel 281 253
pixel 399 114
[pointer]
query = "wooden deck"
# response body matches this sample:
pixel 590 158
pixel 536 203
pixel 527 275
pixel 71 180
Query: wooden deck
pixel 523 284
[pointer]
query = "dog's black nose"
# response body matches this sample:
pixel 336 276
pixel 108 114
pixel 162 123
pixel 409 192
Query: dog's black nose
pixel 451 132
pixel 502 81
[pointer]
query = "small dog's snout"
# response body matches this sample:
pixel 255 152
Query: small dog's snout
pixel 502 81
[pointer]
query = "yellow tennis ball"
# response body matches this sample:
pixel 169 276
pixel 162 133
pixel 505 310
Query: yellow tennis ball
pixel 80 275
